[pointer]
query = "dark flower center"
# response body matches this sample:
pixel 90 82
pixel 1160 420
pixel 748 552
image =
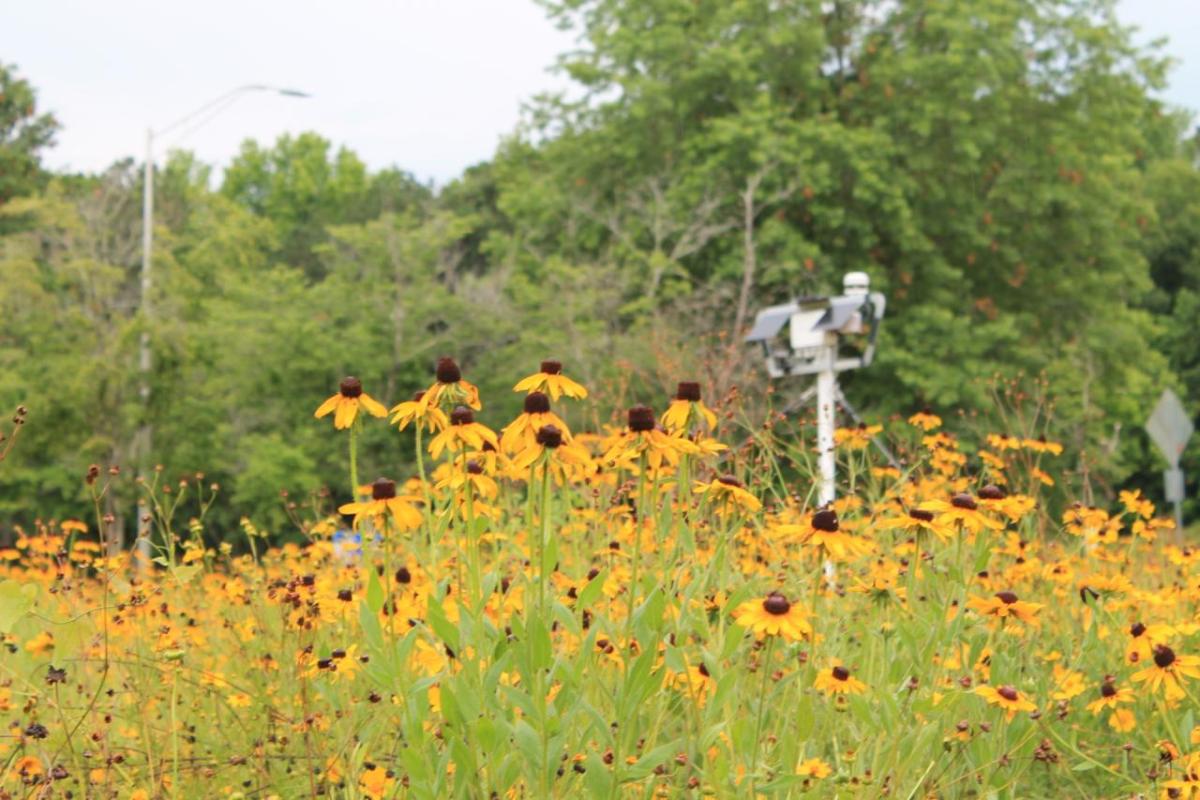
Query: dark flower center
pixel 1137 630
pixel 1007 597
pixel 1008 693
pixel 461 415
pixel 383 489
pixel 549 436
pixel 992 492
pixel 923 516
pixel 688 390
pixel 403 575
pixel 350 387
pixel 841 673
pixel 536 403
pixel 641 419
pixel 1107 690
pixel 729 480
pixel 776 604
pixel 552 367
pixel 1164 656
pixel 474 467
pixel 448 371
pixel 825 520
pixel 964 500
pixel 703 670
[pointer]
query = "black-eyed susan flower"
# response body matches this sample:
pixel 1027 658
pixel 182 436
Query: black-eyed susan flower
pixel 857 438
pixel 838 680
pixel 1042 445
pixel 1110 696
pixel 916 520
pixel 552 449
pixel 449 388
pixel 1068 683
pixel 644 438
pixel 463 433
pixel 535 413
pixel 963 511
pixel 1168 672
pixel 474 474
pixel 1003 605
pixel 774 615
pixel 1007 697
pixel 814 768
pixel 426 417
pixel 549 379
pixel 926 420
pixel 1143 639
pixel 686 408
pixel 385 504
pixel 729 495
pixel 345 404
pixel 826 534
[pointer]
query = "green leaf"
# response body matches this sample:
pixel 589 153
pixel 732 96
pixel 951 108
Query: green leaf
pixel 16 599
pixel 375 598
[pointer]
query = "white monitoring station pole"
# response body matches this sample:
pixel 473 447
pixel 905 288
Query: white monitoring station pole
pixel 821 335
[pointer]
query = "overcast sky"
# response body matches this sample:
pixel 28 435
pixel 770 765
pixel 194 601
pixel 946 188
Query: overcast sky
pixel 429 85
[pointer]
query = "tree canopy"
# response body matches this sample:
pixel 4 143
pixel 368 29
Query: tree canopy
pixel 1003 170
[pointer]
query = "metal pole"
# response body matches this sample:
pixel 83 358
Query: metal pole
pixel 826 407
pixel 145 431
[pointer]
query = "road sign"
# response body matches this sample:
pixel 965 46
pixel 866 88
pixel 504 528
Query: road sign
pixel 1170 426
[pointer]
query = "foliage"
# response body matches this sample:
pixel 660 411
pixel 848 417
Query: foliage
pixel 1001 169
pixel 23 134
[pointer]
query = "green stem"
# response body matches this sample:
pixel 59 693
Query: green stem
pixel 765 666
pixel 354 461
pixel 544 536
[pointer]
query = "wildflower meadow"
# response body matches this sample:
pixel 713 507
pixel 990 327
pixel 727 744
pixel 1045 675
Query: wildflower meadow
pixel 653 608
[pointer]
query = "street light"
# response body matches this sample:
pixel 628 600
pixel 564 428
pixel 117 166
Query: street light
pixel 207 111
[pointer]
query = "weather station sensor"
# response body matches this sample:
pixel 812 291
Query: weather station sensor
pixel 822 336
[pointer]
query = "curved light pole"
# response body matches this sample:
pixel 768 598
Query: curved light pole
pixel 212 108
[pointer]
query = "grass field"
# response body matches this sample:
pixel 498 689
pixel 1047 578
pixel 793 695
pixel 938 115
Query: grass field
pixel 656 609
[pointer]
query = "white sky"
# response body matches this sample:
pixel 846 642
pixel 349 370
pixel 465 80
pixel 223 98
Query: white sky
pixel 428 85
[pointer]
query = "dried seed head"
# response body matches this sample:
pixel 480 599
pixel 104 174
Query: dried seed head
pixel 350 387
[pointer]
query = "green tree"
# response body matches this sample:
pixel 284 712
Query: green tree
pixel 24 133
